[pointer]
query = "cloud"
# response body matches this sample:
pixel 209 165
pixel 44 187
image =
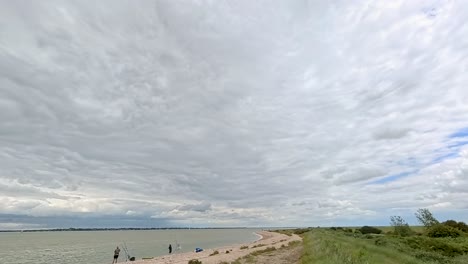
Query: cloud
pixel 239 114
pixel 201 207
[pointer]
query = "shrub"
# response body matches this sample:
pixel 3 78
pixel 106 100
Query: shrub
pixel 462 226
pixel 293 243
pixel 227 251
pixel 300 231
pixel 370 230
pixel 216 252
pixel 459 225
pixel 401 228
pixel 194 261
pixel 426 218
pixel 244 247
pixel 258 245
pixel 442 246
pixel 380 242
pixel 268 249
pixel 442 231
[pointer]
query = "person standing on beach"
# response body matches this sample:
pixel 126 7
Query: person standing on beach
pixel 170 248
pixel 116 255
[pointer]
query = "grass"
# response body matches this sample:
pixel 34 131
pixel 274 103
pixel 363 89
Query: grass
pixel 322 246
pixel 386 229
pixel 266 252
pixel 262 251
pixel 258 245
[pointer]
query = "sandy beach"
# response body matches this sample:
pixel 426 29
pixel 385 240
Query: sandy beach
pixel 268 239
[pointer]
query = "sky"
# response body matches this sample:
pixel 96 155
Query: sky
pixel 232 113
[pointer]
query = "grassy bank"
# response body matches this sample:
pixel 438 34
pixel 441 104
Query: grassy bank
pixel 325 246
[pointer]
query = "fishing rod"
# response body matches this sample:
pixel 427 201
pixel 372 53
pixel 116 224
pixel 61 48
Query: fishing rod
pixel 127 254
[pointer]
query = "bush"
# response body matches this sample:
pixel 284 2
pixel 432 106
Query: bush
pixel 194 261
pixel 300 231
pixel 400 226
pixel 441 246
pixel 369 230
pixel 216 252
pixel 258 245
pixel 459 225
pixel 227 251
pixel 442 231
pixel 380 242
pixel 244 247
pixel 268 249
pixel 462 226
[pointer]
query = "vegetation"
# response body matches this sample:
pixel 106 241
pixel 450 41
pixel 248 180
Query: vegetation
pixel 438 243
pixel 433 243
pixel 216 252
pixel 369 230
pixel 244 247
pixel 426 218
pixel 270 253
pixel 458 225
pixel 258 245
pixel 443 231
pixel 194 261
pixel 258 252
pixel 401 228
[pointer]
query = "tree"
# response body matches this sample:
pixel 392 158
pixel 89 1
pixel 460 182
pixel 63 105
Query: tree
pixel 401 228
pixel 426 218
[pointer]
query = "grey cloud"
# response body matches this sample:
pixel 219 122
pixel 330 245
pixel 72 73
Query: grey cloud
pixel 201 207
pixel 246 106
pixel 390 133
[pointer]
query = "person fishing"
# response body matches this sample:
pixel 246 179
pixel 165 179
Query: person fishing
pixel 116 255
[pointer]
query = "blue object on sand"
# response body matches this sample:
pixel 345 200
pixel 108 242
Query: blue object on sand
pixel 198 250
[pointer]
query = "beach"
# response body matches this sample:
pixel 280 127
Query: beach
pixel 226 253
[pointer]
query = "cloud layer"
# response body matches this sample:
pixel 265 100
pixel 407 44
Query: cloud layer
pixel 231 113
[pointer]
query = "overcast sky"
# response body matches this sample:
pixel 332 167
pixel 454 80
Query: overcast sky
pixel 232 113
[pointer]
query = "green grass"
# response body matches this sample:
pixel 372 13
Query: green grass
pixel 322 246
pixel 386 229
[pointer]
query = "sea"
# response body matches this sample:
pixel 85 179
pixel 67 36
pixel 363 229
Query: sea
pixel 97 247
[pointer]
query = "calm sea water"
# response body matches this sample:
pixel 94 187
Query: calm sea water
pixel 97 247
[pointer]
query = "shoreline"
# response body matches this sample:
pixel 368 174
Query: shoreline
pixel 225 253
